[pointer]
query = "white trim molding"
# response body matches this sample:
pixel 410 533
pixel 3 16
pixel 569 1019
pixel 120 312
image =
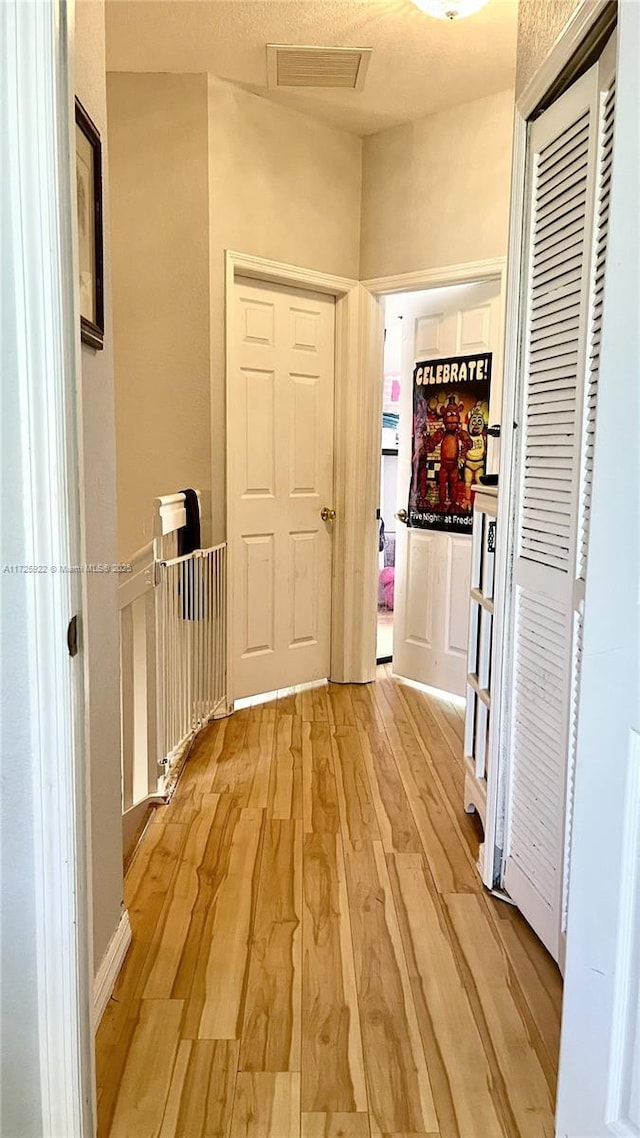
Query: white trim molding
pixel 278 272
pixel 467 272
pixel 571 38
pixel 110 966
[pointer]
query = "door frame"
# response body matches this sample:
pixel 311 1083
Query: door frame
pixel 470 272
pixel 358 335
pixel 41 136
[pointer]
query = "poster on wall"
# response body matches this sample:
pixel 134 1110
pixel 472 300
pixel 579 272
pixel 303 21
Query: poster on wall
pixel 449 444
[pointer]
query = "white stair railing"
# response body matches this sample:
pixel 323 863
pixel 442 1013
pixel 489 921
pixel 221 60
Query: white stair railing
pixel 192 641
pixel 173 668
pixel 138 692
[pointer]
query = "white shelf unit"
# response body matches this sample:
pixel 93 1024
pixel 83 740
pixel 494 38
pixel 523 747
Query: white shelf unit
pixel 478 711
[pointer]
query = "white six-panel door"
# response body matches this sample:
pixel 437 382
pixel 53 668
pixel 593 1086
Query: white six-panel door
pixel 280 399
pixel 433 568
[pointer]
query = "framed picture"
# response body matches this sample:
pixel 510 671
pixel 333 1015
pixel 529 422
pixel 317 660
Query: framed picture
pixel 90 252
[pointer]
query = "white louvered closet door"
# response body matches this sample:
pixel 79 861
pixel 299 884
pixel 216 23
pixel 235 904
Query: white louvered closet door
pixel 569 167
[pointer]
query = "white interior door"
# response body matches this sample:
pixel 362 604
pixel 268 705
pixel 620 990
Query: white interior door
pixel 280 435
pixel 433 568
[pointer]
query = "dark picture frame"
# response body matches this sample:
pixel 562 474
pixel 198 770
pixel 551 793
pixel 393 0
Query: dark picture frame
pixel 90 236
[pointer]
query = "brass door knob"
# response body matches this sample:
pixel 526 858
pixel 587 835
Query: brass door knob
pixel 402 516
pixel 327 514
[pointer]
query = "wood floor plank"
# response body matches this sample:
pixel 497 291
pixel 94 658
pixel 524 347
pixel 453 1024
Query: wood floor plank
pixel 215 867
pixel 216 997
pixel 185 802
pixel 234 772
pixel 398 1086
pixel 506 1031
pixel 200 768
pixel 449 858
pixel 165 955
pixel 153 865
pixel 395 820
pixel 364 706
pixel 273 1006
pixel 447 764
pixel 456 713
pixel 285 787
pixel 113 1042
pixel 335 1125
pixel 147 1076
pixel 437 712
pixel 469 1099
pixel 320 794
pixel 358 816
pixel 171 1114
pixel 449 724
pixel 146 884
pixel 445 757
pixel 260 743
pixel 320 704
pixel 243 770
pixel 266 1105
pixel 202 1090
pixel 341 711
pixel 303 704
pixel 332 1062
pixel 539 980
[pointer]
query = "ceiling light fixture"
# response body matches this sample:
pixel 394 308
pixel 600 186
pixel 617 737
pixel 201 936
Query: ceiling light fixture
pixel 450 9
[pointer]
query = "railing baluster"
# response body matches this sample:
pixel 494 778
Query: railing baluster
pixel 192 639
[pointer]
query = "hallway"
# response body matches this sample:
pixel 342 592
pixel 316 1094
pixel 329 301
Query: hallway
pixel 313 955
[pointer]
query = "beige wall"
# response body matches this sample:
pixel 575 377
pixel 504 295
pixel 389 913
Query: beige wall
pixel 539 25
pixel 282 186
pixel 197 167
pixel 436 191
pixel 98 493
pixel 160 256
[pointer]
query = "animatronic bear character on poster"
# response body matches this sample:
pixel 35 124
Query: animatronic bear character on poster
pixel 450 418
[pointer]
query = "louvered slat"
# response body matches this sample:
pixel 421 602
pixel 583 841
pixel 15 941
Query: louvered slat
pixel 605 159
pixel 550 411
pixel 591 393
pixel 541 637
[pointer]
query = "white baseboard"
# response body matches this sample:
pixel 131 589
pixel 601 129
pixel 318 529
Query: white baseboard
pixel 110 966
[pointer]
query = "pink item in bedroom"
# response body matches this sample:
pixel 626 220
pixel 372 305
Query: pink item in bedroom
pixel 386 579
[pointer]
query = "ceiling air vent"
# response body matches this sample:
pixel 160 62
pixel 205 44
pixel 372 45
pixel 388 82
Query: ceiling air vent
pixel 289 66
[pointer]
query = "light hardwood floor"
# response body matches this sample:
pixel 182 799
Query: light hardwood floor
pixel 313 955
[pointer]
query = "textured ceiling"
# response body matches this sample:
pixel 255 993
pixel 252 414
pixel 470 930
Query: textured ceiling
pixel 419 65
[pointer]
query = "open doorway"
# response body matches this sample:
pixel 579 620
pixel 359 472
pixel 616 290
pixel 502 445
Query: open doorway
pixel 389 505
pixel 426 496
